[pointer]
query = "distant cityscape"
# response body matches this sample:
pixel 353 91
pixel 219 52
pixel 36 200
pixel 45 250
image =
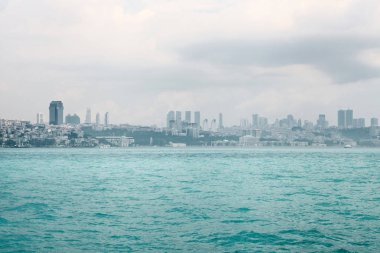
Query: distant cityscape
pixel 190 130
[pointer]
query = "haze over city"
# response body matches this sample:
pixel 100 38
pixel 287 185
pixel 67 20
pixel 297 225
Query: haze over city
pixel 140 59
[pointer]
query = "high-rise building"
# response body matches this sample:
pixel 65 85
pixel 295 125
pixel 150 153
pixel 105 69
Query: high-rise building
pixel 299 123
pixel 255 120
pixel 197 119
pixel 262 123
pixel 244 123
pixel 97 119
pixel 322 122
pixel 291 121
pixel 178 119
pixel 40 118
pixel 56 113
pixel 341 119
pixel 221 126
pixel 72 119
pixel 349 118
pixel 188 117
pixel 88 116
pixel 170 119
pixel 361 123
pixel 106 119
pixel 374 122
pixel 345 118
pixel 355 123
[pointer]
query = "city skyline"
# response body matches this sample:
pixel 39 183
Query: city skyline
pixel 174 120
pixel 155 56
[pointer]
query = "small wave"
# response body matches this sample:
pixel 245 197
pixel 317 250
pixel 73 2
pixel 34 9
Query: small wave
pixel 241 221
pixel 243 210
pixel 29 206
pixel 248 237
pixel 129 237
pixel 104 215
pixel 3 220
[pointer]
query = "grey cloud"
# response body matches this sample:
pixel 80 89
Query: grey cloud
pixel 3 4
pixel 336 56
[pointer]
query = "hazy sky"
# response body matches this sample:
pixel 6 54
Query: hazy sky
pixel 139 59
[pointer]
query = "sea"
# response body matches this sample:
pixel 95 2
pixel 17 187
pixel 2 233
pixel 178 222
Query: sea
pixel 190 200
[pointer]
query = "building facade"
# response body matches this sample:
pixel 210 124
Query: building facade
pixel 56 113
pixel 107 119
pixel 88 116
pixel 197 119
pixel 72 119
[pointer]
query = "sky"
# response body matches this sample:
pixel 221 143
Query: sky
pixel 139 59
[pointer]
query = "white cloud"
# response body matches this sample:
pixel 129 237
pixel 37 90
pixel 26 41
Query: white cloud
pixel 127 57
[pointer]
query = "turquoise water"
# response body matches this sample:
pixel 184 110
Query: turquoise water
pixel 190 200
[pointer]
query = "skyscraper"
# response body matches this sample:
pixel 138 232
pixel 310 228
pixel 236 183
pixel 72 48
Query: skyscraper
pixel 263 122
pixel 220 121
pixel 178 119
pixel 170 119
pixel 40 118
pixel 188 117
pixel 56 113
pixel 97 119
pixel 349 118
pixel 361 122
pixel 106 119
pixel 322 122
pixel 197 119
pixel 255 120
pixel 345 118
pixel 374 122
pixel 341 119
pixel 88 116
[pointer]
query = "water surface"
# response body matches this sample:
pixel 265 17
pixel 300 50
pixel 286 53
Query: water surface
pixel 190 200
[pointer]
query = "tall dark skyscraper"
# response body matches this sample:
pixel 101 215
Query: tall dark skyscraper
pixel 56 113
pixel 197 118
pixel 342 119
pixel 349 118
pixel 345 118
pixel 188 117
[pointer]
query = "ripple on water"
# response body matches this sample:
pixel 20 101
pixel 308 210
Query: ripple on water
pixel 189 200
pixel 3 220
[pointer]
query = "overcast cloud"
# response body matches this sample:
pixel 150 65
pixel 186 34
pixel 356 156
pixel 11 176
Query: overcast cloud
pixel 139 59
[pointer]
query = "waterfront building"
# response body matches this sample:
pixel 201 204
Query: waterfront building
pixel 40 118
pixel 72 119
pixel 299 123
pixel 56 113
pixel 262 123
pixel 188 117
pixel 197 119
pixel 244 123
pixel 341 119
pixel 249 140
pixel 345 119
pixel 349 118
pixel 308 125
pixel 322 122
pixel 221 126
pixel 374 122
pixel 255 121
pixel 170 119
pixel 97 119
pixel 178 120
pixel 361 123
pixel 106 119
pixel 291 122
pixel 88 116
